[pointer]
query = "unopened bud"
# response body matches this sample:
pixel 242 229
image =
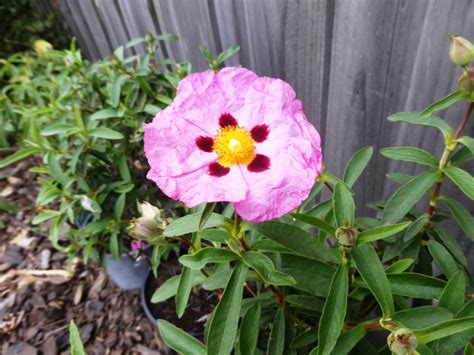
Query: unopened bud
pixel 462 51
pixel 403 342
pixel 149 211
pixel 346 237
pixel 145 228
pixel 466 80
pixel 41 46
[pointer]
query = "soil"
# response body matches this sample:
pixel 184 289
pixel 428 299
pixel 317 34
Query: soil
pixel 39 296
pixel 199 308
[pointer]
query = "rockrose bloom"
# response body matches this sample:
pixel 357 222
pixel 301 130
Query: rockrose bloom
pixel 233 136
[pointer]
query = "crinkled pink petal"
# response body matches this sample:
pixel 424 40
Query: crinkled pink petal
pixel 293 145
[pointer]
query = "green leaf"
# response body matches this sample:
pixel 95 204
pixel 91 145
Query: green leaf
pixel 58 128
pixel 207 255
pixel 44 216
pixel 114 245
pixel 249 330
pixel 344 207
pixel 215 235
pixel 461 215
pixel 190 224
pixel 452 297
pixel 462 179
pixel 407 196
pixel 444 329
pixel 415 118
pixel 116 89
pixel 276 341
pixel 305 302
pixel 469 349
pixel 56 171
pixel 106 133
pixel 422 317
pixel 399 178
pixel 462 156
pixel 416 285
pixel 381 232
pixel 123 168
pixel 229 52
pixel 77 348
pixel 169 288
pixel 179 340
pixel 307 337
pixel 415 228
pixel 455 342
pixel 151 109
pixel 206 213
pixel 368 264
pixel 223 328
pixel 451 244
pixel 356 165
pixel 264 267
pixel 347 340
pixel 19 155
pixel 106 113
pixel 443 258
pixel 410 154
pixel 185 285
pixel 444 103
pixel 334 312
pixel 315 221
pixel 295 239
pixel 468 142
pixel 119 206
pixel 399 266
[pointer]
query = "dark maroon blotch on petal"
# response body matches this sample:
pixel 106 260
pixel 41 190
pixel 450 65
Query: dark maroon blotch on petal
pixel 216 169
pixel 259 163
pixel 226 120
pixel 259 133
pixel 205 143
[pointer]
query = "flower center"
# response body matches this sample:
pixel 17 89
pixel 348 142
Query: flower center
pixel 234 145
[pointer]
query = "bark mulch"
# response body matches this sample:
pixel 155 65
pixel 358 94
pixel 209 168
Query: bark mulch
pixel 38 296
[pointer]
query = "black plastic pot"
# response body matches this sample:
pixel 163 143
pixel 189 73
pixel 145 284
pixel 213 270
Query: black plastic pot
pixel 127 273
pixel 146 299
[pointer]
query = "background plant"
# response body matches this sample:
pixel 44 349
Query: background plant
pixel 319 280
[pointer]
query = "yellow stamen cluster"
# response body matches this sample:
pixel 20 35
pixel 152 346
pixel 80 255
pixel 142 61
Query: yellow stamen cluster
pixel 234 145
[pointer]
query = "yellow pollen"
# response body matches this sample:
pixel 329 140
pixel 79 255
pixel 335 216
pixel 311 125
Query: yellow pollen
pixel 234 145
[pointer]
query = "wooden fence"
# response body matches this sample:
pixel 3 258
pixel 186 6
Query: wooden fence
pixel 352 62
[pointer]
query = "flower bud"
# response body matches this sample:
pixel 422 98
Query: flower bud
pixel 403 342
pixel 41 46
pixel 466 80
pixel 346 237
pixel 149 211
pixel 462 51
pixel 145 228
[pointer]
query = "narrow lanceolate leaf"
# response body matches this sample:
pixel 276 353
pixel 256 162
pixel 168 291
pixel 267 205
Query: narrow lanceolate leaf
pixel 443 258
pixel 451 244
pixel 356 165
pixel 264 267
pixel 169 288
pixel 203 256
pixel 344 207
pixel 380 232
pixel 452 297
pixel 368 264
pixel 468 142
pixel 179 340
pixel 444 329
pixel 334 312
pixel 349 339
pixel 249 330
pixel 422 317
pixel 461 215
pixel 116 89
pixel 444 103
pixel 296 240
pixel 415 285
pixel 316 222
pixel 206 213
pixel 184 290
pixel 106 133
pixel 462 179
pixel 407 195
pixel 223 328
pixel 276 342
pixel 21 154
pixel 399 266
pixel 190 224
pixel 415 118
pixel 77 348
pixel 399 178
pixel 415 228
pixel 410 154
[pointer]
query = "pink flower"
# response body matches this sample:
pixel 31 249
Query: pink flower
pixel 137 245
pixel 233 136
